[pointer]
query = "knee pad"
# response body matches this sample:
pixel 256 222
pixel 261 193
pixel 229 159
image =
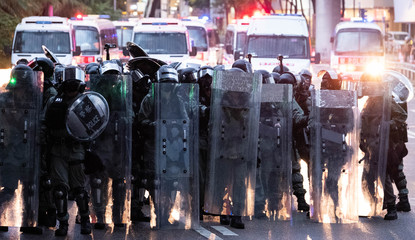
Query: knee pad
pixel 60 194
pixel 82 200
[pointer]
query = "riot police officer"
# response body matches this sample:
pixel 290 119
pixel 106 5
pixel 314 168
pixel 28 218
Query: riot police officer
pixel 66 154
pixel 300 121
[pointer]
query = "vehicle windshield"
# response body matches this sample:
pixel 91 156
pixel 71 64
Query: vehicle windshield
pixel 87 38
pixel 359 42
pixel 272 46
pixel 240 40
pixel 124 35
pixel 400 37
pixel 198 36
pixel 31 42
pixel 162 43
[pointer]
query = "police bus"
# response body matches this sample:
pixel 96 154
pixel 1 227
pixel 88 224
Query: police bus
pixel 280 34
pixel 33 32
pixel 166 39
pixel 357 47
pixel 91 34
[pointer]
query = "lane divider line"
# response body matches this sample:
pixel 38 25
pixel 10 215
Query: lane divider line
pixel 224 231
pixel 207 234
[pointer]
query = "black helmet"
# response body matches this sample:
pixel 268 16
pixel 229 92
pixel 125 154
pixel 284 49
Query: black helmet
pixel 266 76
pixel 187 75
pixel 243 64
pixel 92 68
pixel 58 75
pixel 288 78
pixel 277 69
pixel 305 77
pixel 167 74
pixel 113 66
pixel 21 77
pixel 276 77
pixel 219 67
pixel 205 71
pixel 42 64
pixel 235 69
pixel 73 79
pixel 330 80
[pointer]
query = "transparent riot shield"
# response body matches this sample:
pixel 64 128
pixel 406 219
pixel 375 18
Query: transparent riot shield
pixel 274 149
pixel 20 109
pixel 176 197
pixel 233 142
pixel 375 113
pixel 110 182
pixel 334 156
pixel 402 89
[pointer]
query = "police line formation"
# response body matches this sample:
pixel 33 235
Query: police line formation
pixel 186 141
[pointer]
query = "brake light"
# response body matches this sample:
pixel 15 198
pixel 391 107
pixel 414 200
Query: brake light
pixel 84 59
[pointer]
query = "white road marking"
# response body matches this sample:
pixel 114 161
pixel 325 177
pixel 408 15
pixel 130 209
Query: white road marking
pixel 411 134
pixel 207 234
pixel 224 231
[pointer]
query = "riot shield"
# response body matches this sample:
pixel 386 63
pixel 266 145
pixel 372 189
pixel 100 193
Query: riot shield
pixel 402 90
pixel 176 196
pixel 87 116
pixel 110 185
pixel 274 149
pixel 375 104
pixel 233 142
pixel 334 149
pixel 20 104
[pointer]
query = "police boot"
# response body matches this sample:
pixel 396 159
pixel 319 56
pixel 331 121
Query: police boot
pixel 85 225
pixel 403 204
pixel 63 228
pixel 302 205
pixel 100 222
pixel 236 222
pixel 224 219
pixel 392 214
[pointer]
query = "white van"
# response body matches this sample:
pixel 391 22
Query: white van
pixel 166 39
pixel 198 35
pixel 91 35
pixel 357 47
pixel 235 39
pixel 124 34
pixel 33 32
pixel 281 34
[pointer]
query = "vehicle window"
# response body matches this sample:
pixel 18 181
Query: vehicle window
pixel 228 38
pixel 240 40
pixel 198 36
pixel 162 43
pixel 271 47
pixel 364 42
pixel 213 37
pixel 31 42
pixel 124 35
pixel 400 37
pixel 87 38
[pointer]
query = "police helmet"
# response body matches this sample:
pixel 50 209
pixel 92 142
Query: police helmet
pixel 187 75
pixel 167 74
pixel 21 77
pixel 266 76
pixel 113 66
pixel 277 69
pixel 243 64
pixel 42 64
pixel 205 71
pixel 276 77
pixel 219 67
pixel 330 80
pixel 73 79
pixel 92 68
pixel 235 69
pixel 288 78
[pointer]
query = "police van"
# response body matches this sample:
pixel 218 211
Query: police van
pixel 33 32
pixel 281 34
pixel 357 47
pixel 91 34
pixel 124 34
pixel 166 39
pixel 199 38
pixel 235 38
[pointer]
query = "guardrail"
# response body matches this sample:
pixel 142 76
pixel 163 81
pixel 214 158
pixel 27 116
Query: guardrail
pixel 407 69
